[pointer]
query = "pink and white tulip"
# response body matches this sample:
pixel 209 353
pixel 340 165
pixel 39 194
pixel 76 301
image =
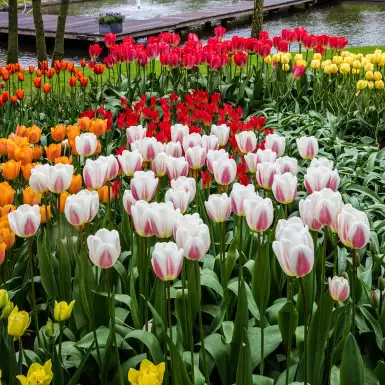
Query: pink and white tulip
pixel 82 207
pixel 95 174
pixel 321 162
pixel 339 288
pixel 285 187
pixel 174 149
pixel 104 248
pixel 218 207
pixel 246 141
pixel 307 147
pixel 276 143
pixel 238 195
pixel 251 162
pixel 307 211
pixel 266 156
pixel 178 132
pixel 143 185
pixel 287 164
pixel 192 140
pixel 224 171
pixel 176 167
pixel 187 184
pixel 215 155
pixel 159 164
pixel 25 220
pixel 39 178
pixel 86 144
pixel 318 178
pixel 222 132
pixel 353 227
pixel 196 157
pixel 135 133
pixel 265 174
pixel 163 217
pixel 112 166
pixel 128 201
pixel 180 198
pixel 130 162
pixel 141 218
pixel 60 177
pixel 149 148
pixel 167 260
pixel 210 142
pixel 259 213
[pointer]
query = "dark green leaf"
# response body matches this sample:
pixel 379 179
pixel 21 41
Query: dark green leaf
pixel 352 367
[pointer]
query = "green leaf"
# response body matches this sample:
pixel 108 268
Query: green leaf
pixel 64 272
pixel 261 380
pixel 178 367
pixel 122 274
pixel 244 371
pixel 158 323
pixel 352 367
pixel 75 377
pixel 364 190
pixel 233 286
pixel 376 327
pixel 150 341
pixel 209 279
pixel 317 339
pixel 287 327
pixel 380 372
pixel 220 352
pixel 46 269
pixel 231 259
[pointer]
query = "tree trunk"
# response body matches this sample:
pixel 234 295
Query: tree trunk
pixel 13 40
pixel 41 50
pixel 257 18
pixel 58 52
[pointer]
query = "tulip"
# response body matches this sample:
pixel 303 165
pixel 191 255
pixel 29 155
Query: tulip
pixel 45 213
pixel 130 162
pixel 318 178
pixel 82 207
pixel 149 148
pixel 339 288
pixel 246 141
pixel 3 248
pixel 251 162
pixel 353 227
pixel 128 201
pixel 7 310
pixel 224 171
pixel 191 140
pixel 163 217
pixel 174 149
pixel 193 236
pixel 321 162
pixel 7 194
pixel 62 310
pixel 158 165
pixel 294 248
pixel 148 374
pixel 287 164
pixel 196 157
pixel 25 221
pixel 275 143
pixel 266 156
pixel 176 167
pixel 60 177
pixel 18 322
pixel 307 211
pixel 76 184
pixel 141 218
pixel 218 207
pixel 307 147
pixel 259 213
pixel 238 196
pixel 11 169
pixel 222 132
pixel 7 236
pixel 3 298
pixel 104 248
pixel 30 197
pixel 178 132
pixel 209 142
pixel 215 155
pixel 135 133
pixel 112 166
pixel 144 185
pixel 86 144
pixel 240 59
pixel 186 184
pixel 265 174
pixel 37 374
pixel 58 133
pixel 167 260
pixel 95 174
pixel 179 197
pixel 285 187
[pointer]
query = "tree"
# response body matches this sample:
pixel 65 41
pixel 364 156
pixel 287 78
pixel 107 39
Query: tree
pixel 58 52
pixel 257 18
pixel 13 39
pixel 41 50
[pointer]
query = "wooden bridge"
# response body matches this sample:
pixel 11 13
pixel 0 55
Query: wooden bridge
pixel 87 29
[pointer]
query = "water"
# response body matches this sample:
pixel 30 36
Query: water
pixel 361 23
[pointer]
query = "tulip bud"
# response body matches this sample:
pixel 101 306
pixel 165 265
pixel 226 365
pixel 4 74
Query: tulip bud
pixel 307 147
pixel 7 310
pixel 246 141
pixel 381 283
pixel 49 329
pixel 104 249
pixel 63 310
pixel 284 187
pixel 3 298
pixel 339 288
pixel 259 213
pixel 18 322
pixel 167 260
pixel 224 171
pixel 218 207
pixel 374 300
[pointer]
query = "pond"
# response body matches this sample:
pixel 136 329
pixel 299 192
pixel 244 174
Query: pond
pixel 362 23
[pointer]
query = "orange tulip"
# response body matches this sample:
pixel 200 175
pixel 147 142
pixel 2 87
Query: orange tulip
pixel 21 131
pixel 11 149
pixel 72 81
pixel 98 148
pixel 7 236
pixel 73 132
pixel 76 184
pixel 64 160
pixel 53 151
pixel 19 94
pixel 39 73
pixel 37 152
pixel 103 194
pixel 43 65
pixel 44 212
pixel 7 193
pixel 84 81
pixel 83 62
pixel 24 154
pixel 34 134
pixel 31 69
pixel 63 197
pixel 58 133
pixel 3 146
pixel 20 76
pixel 50 73
pixel 99 127
pixel 37 82
pixel 26 170
pixel 7 209
pixel 3 247
pixel 11 169
pixel 47 88
pixel 13 99
pixel 84 123
pixel 4 223
pixel 30 197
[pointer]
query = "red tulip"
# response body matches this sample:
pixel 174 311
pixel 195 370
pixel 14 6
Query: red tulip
pixel 276 41
pixel 298 71
pixel 264 50
pixel 109 61
pixel 309 42
pixel 142 59
pixel 109 39
pixel 174 39
pixel 94 50
pixel 283 46
pixel 240 59
pixel 188 61
pixel 287 35
pixel 215 63
pixel 220 32
pixel 152 50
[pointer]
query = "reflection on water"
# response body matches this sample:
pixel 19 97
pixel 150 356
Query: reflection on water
pixel 361 23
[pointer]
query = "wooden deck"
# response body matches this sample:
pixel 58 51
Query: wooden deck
pixel 86 28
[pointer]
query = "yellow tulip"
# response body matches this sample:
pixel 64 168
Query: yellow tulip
pixel 148 374
pixel 362 84
pixel 37 374
pixel 370 84
pixel 286 67
pixel 315 64
pixel 298 57
pixel 276 58
pixel 325 63
pixel 377 75
pixel 369 75
pixel 3 298
pixel 369 67
pixel 285 58
pixel 18 322
pixel 267 59
pixel 301 63
pixel 333 68
pixel 337 60
pixel 317 56
pixel 379 84
pixel 344 68
pixel 355 72
pixel 356 64
pixel 62 310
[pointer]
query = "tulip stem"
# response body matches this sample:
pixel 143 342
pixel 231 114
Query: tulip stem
pixel 223 263
pixel 261 308
pixel 61 339
pixel 30 252
pixel 354 273
pixel 289 298
pixel 112 330
pixel 315 242
pixel 169 315
pixel 197 280
pixel 305 323
pixel 109 204
pixel 11 361
pixel 20 362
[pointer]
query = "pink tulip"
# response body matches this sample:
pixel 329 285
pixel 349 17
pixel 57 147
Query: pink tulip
pixel 112 166
pixel 246 141
pixel 251 162
pixel 86 144
pixel 339 288
pixel 39 178
pixel 210 142
pixel 285 187
pixel 159 164
pixel 141 218
pixel 307 211
pixel 176 167
pixel 259 213
pixel 196 157
pixel 135 133
pixel 307 147
pixel 143 185
pixel 128 201
pixel 187 184
pixel 214 155
pixel 130 162
pixel 239 194
pixel 60 177
pixel 180 198
pixel 225 171
pixel 318 178
pixel 82 207
pixel 222 132
pixel 294 248
pixel 275 143
pixel 167 260
pixel 266 156
pixel 163 217
pixel 149 148
pixel 178 132
pixel 218 207
pixel 191 140
pixel 95 174
pixel 287 164
pixel 174 149
pixel 25 221
pixel 265 174
pixel 104 248
pixel 353 227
